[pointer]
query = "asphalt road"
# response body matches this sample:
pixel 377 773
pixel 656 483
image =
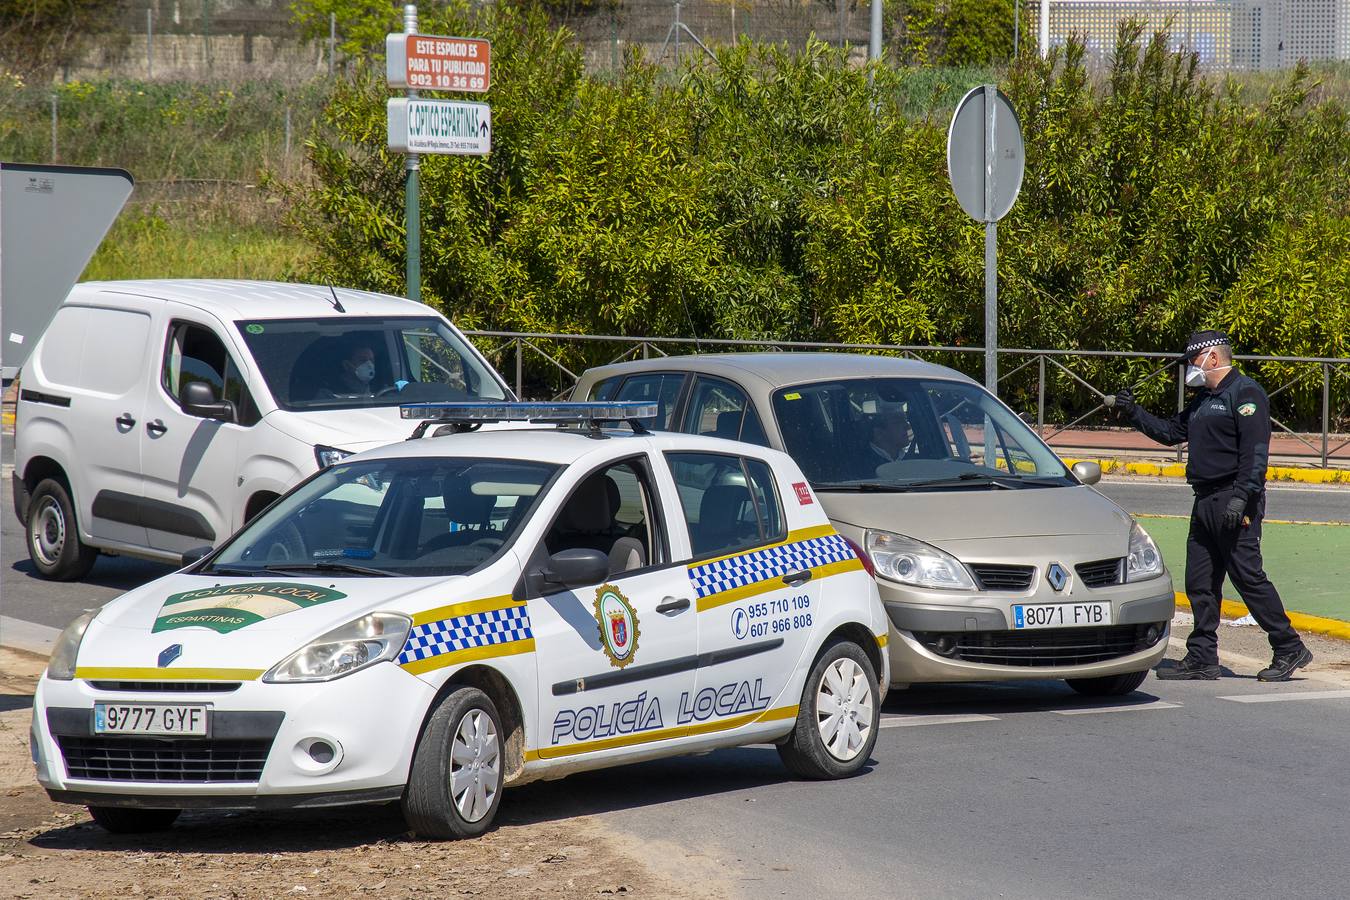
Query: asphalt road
pixel 1284 502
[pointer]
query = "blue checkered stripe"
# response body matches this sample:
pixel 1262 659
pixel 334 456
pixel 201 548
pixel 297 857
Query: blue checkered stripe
pixel 497 626
pixel 772 562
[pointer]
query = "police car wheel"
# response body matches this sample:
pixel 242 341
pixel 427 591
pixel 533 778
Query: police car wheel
pixel 838 716
pixel 125 820
pixel 1109 685
pixel 458 768
pixel 54 542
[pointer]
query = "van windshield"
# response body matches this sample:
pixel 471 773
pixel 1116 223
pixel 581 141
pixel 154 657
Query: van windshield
pixel 343 363
pixel 901 434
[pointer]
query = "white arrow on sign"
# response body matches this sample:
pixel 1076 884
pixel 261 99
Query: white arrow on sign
pixel 455 127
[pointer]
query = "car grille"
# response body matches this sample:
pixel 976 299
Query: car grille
pixel 168 687
pixel 1102 573
pixel 1042 647
pixel 107 758
pixel 994 577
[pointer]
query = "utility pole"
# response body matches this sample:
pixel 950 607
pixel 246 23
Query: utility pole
pixel 1045 28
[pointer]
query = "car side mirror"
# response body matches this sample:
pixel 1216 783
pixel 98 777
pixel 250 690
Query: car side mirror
pixel 1087 471
pixel 573 568
pixel 199 399
pixel 196 555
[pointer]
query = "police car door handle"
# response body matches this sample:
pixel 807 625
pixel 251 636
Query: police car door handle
pixel 157 427
pixel 125 421
pixel 670 605
pixel 794 579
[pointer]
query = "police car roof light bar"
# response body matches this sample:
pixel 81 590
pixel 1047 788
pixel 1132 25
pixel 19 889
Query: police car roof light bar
pixel 471 414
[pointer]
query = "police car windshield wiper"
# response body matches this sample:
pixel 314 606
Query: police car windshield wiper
pixel 325 566
pixel 228 569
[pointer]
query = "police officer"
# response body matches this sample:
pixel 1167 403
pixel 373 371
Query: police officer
pixel 1227 425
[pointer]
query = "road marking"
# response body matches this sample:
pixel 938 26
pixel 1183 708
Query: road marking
pixel 910 721
pixel 1122 707
pixel 1288 695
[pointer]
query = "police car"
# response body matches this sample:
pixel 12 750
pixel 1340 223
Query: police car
pixel 436 619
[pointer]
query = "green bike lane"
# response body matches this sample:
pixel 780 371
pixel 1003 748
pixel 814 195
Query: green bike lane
pixel 1309 564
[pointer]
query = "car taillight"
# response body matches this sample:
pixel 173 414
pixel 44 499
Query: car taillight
pixel 862 557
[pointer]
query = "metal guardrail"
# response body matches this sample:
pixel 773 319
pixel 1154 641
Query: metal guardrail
pixel 499 346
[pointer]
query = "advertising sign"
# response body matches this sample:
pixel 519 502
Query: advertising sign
pixel 453 127
pixel 428 62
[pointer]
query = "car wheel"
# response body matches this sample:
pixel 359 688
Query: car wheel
pixel 125 820
pixel 458 768
pixel 1109 685
pixel 54 542
pixel 838 716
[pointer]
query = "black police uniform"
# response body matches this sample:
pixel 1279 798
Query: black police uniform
pixel 1228 429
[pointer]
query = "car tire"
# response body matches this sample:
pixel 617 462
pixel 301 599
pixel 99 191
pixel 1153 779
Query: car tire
pixel 461 745
pixel 53 534
pixel 1109 685
pixel 126 820
pixel 838 717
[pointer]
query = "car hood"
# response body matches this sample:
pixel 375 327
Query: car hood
pixel 345 429
pixel 246 624
pixel 939 517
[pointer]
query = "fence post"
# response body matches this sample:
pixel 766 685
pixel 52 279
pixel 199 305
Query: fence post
pixel 149 43
pixel 206 36
pixel 520 364
pixel 1040 396
pixel 332 41
pixel 1326 409
pixel 288 137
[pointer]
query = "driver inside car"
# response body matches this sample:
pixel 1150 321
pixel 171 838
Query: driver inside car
pixel 355 376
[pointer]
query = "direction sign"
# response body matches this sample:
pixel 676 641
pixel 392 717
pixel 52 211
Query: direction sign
pixel 455 127
pixel 985 144
pixel 432 63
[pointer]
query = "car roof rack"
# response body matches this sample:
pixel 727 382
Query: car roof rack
pixel 471 415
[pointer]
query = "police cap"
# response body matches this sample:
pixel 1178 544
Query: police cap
pixel 1203 340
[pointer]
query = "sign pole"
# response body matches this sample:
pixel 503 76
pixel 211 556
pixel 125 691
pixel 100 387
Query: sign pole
pixel 990 246
pixel 411 198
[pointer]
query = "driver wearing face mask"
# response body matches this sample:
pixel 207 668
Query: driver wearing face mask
pixel 1227 425
pixel 356 372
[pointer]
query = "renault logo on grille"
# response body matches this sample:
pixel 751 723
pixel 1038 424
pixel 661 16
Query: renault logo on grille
pixel 169 654
pixel 1057 577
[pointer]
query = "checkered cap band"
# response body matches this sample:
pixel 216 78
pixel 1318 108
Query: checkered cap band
pixel 1220 341
pixel 771 562
pixel 497 626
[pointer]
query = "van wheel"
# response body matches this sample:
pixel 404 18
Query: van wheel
pixel 54 542
pixel 126 820
pixel 838 716
pixel 1109 685
pixel 457 774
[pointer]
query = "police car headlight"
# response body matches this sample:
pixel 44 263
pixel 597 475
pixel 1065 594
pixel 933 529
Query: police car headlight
pixel 329 456
pixel 352 647
pixel 61 666
pixel 1144 561
pixel 908 561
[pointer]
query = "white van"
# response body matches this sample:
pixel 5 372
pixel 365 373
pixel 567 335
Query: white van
pixel 155 417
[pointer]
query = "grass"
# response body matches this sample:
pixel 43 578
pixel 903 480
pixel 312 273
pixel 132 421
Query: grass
pixel 151 247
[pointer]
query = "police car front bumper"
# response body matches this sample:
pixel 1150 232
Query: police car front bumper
pixel 260 751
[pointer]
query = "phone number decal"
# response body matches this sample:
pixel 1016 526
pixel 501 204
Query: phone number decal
pixel 768 617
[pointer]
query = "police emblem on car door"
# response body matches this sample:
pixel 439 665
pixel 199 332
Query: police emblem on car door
pixel 618 623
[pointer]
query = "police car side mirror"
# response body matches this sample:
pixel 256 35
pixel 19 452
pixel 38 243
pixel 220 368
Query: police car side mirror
pixel 199 399
pixel 574 568
pixel 1087 471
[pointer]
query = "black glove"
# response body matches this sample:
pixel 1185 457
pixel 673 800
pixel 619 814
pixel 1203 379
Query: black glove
pixel 1232 514
pixel 1124 402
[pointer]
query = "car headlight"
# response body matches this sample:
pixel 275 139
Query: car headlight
pixel 61 667
pixel 1144 561
pixel 349 648
pixel 329 456
pixel 908 561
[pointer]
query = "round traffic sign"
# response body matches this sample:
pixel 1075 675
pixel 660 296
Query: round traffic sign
pixel 985 154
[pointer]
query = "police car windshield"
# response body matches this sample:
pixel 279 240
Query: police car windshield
pixel 347 362
pixel 422 516
pixel 904 434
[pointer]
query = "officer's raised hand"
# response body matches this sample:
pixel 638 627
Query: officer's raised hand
pixel 1123 401
pixel 1232 514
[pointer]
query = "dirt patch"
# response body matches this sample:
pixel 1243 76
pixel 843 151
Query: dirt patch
pixel 50 850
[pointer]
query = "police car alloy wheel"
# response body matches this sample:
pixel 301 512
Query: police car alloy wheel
pixel 457 772
pixel 837 723
pixel 1109 685
pixel 120 820
pixel 53 538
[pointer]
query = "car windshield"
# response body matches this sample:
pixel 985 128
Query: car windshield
pixel 416 517
pixel 343 363
pixel 898 434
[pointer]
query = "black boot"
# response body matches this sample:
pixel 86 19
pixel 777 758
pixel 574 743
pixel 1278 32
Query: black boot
pixel 1284 664
pixel 1191 669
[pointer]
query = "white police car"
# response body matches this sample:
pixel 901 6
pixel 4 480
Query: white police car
pixel 435 619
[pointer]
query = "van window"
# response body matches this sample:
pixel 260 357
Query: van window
pixel 729 502
pixel 195 353
pixel 94 349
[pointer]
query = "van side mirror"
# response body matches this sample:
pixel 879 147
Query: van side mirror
pixel 1087 471
pixel 572 568
pixel 199 399
pixel 196 555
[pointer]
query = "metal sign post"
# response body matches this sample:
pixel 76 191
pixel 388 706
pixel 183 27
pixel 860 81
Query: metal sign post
pixel 412 206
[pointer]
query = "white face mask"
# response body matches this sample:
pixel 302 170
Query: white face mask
pixel 1195 375
pixel 365 372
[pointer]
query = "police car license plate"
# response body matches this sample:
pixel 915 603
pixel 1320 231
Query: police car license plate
pixel 1061 615
pixel 187 719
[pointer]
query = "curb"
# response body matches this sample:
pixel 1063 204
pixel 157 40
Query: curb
pixel 1178 470
pixel 1334 628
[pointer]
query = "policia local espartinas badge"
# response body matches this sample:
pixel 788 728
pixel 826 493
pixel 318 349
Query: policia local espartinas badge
pixel 618 622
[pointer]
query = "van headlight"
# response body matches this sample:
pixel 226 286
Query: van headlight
pixel 61 666
pixel 329 456
pixel 349 648
pixel 1144 561
pixel 908 561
